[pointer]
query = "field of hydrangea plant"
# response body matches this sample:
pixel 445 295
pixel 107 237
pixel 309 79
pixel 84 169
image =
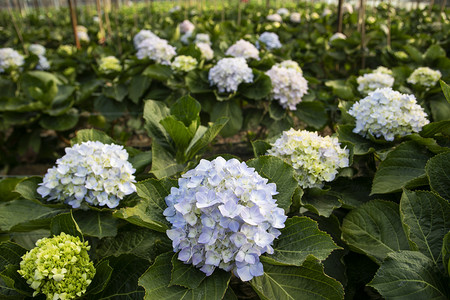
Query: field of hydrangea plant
pixel 275 150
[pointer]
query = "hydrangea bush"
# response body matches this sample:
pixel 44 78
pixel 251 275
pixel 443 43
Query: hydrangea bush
pixel 375 80
pixel 58 267
pixel 288 84
pixel 389 114
pixel 228 73
pixel 425 77
pixel 316 159
pixel 142 36
pixel 93 173
pixel 270 40
pixel 243 48
pixel 156 49
pixel 10 59
pixel 206 50
pixel 184 63
pixel 223 215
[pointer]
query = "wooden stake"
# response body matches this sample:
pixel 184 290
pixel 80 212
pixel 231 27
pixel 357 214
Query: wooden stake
pixel 16 28
pixel 239 14
pixel 100 22
pixel 443 4
pixel 106 7
pixel 340 15
pixel 73 19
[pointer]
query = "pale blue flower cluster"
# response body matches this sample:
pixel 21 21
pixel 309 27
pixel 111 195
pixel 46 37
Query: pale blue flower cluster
pixel 92 172
pixel 270 39
pixel 39 51
pixel 229 72
pixel 223 215
pixel 10 59
pixel 149 45
pixel 243 48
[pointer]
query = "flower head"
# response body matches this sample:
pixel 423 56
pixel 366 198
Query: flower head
pixel 389 114
pixel 91 172
pixel 288 84
pixel 295 17
pixel 425 77
pixel 156 49
pixel 10 59
pixel 142 36
pixel 37 49
pixel 184 63
pixel 270 40
pixel 109 64
pixel 202 38
pixel 186 26
pixel 43 63
pixel 274 18
pixel 316 159
pixel 336 36
pixel 283 11
pixel 228 73
pixel 223 215
pixel 378 79
pixel 243 48
pixel 206 50
pixel 58 267
pixel 82 34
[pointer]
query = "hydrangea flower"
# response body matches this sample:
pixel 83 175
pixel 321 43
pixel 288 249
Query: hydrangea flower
pixel 142 36
pixel 326 12
pixel 206 50
pixel 91 172
pixel 425 77
pixel 186 26
pixel 270 39
pixel 336 36
pixel 66 50
pixel 274 18
pixel 283 11
pixel 223 215
pixel 316 159
pixel 156 49
pixel 82 34
pixel 228 73
pixel 10 59
pixel 43 63
pixel 389 114
pixel 288 84
pixel 58 267
pixel 109 64
pixel 347 8
pixel 383 70
pixel 375 80
pixel 202 38
pixel 243 48
pixel 37 49
pixel 185 37
pixel 295 17
pixel 184 63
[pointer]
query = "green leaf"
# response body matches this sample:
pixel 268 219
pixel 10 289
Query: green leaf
pixel 141 161
pixel 313 113
pixel 320 202
pixel 276 112
pixel 445 89
pixel 60 123
pixel 13 280
pixel 27 188
pixel 7 187
pixel 158 72
pixel 259 89
pixel 187 110
pixel 28 239
pixel 117 92
pixel 438 172
pixel 414 53
pixel 198 84
pixel 138 85
pixel 299 239
pixel 10 254
pixel 164 163
pixel 65 223
pixel 101 278
pixel 142 242
pixel 260 147
pixel 40 85
pixel 154 112
pixel 340 89
pixel 403 167
pixel 123 283
pixel 305 282
pixel 440 109
pixel 409 275
pixel 179 133
pixel 433 53
pixel 149 211
pixel 186 275
pixel 231 110
pixel 213 287
pixel 109 108
pixel 362 146
pixel 426 219
pixel 96 223
pixel 430 130
pixel 446 252
pixel 25 215
pixel 280 173
pixel 86 135
pixel 375 229
pixel 351 192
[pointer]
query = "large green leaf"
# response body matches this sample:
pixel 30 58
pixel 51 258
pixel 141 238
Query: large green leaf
pixel 28 239
pixel 142 242
pixel 375 229
pixel 158 72
pixel 410 275
pixel 362 145
pixel 27 188
pixel 300 238
pixel 154 112
pixel 96 223
pixel 351 192
pixel 320 201
pixel 426 219
pixel 86 135
pixel 446 253
pixel 231 110
pixel 138 85
pixel 25 215
pixel 14 281
pixel 149 211
pixel 260 147
pixel 280 173
pixel 101 278
pixel 312 113
pixel 440 109
pixel 179 133
pixel 60 123
pixel 260 88
pixel 341 89
pixel 433 128
pixel 186 275
pixel 164 164
pixel 10 254
pixel 446 90
pixel 187 110
pixel 65 223
pixel 10 257
pixel 403 167
pixel 291 283
pixel 7 187
pixel 438 171
pixel 434 52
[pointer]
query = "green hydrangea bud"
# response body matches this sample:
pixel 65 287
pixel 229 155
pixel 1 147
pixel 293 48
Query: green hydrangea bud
pixel 109 64
pixel 58 267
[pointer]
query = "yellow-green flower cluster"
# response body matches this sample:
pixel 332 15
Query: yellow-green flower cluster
pixel 109 64
pixel 316 159
pixel 58 267
pixel 424 76
pixel 184 63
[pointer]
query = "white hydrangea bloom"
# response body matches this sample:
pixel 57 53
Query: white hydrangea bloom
pixel 372 81
pixel 202 38
pixel 326 12
pixel 283 11
pixel 316 159
pixel 223 215
pixel 270 39
pixel 109 64
pixel 157 49
pixel 424 76
pixel 228 73
pixel 184 63
pixel 43 63
pixel 186 26
pixel 243 48
pixel 142 36
pixel 37 49
pixel 387 113
pixel 10 59
pixel 206 50
pixel 92 172
pixel 295 17
pixel 383 70
pixel 185 37
pixel 337 35
pixel 82 34
pixel 288 84
pixel 274 18
pixel 290 64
